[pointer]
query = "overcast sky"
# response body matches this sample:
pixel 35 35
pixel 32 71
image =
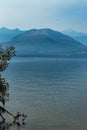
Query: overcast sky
pixel 55 14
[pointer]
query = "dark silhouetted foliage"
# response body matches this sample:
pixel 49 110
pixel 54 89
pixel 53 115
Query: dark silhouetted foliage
pixel 5 56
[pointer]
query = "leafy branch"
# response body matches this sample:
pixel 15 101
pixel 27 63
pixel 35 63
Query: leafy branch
pixel 5 56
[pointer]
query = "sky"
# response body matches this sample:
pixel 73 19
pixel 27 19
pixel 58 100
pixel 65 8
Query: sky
pixel 55 14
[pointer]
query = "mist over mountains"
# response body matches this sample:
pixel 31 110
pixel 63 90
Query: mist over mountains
pixel 79 36
pixel 45 43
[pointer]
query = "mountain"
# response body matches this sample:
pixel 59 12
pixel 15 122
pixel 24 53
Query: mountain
pixel 79 36
pixel 7 34
pixel 47 42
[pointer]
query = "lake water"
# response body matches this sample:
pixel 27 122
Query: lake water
pixel 52 92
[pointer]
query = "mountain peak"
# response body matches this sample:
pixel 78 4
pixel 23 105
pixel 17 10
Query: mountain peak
pixel 7 34
pixel 35 32
pixel 4 29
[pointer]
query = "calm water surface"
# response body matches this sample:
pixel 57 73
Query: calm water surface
pixel 52 92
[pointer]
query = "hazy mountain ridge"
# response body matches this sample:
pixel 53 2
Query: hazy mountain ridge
pixel 47 42
pixel 79 36
pixel 7 34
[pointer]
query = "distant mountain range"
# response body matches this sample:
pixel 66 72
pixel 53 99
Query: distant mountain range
pixel 79 36
pixel 46 43
pixel 7 34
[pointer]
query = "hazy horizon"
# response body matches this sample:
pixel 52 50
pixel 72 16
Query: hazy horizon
pixel 69 30
pixel 58 15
